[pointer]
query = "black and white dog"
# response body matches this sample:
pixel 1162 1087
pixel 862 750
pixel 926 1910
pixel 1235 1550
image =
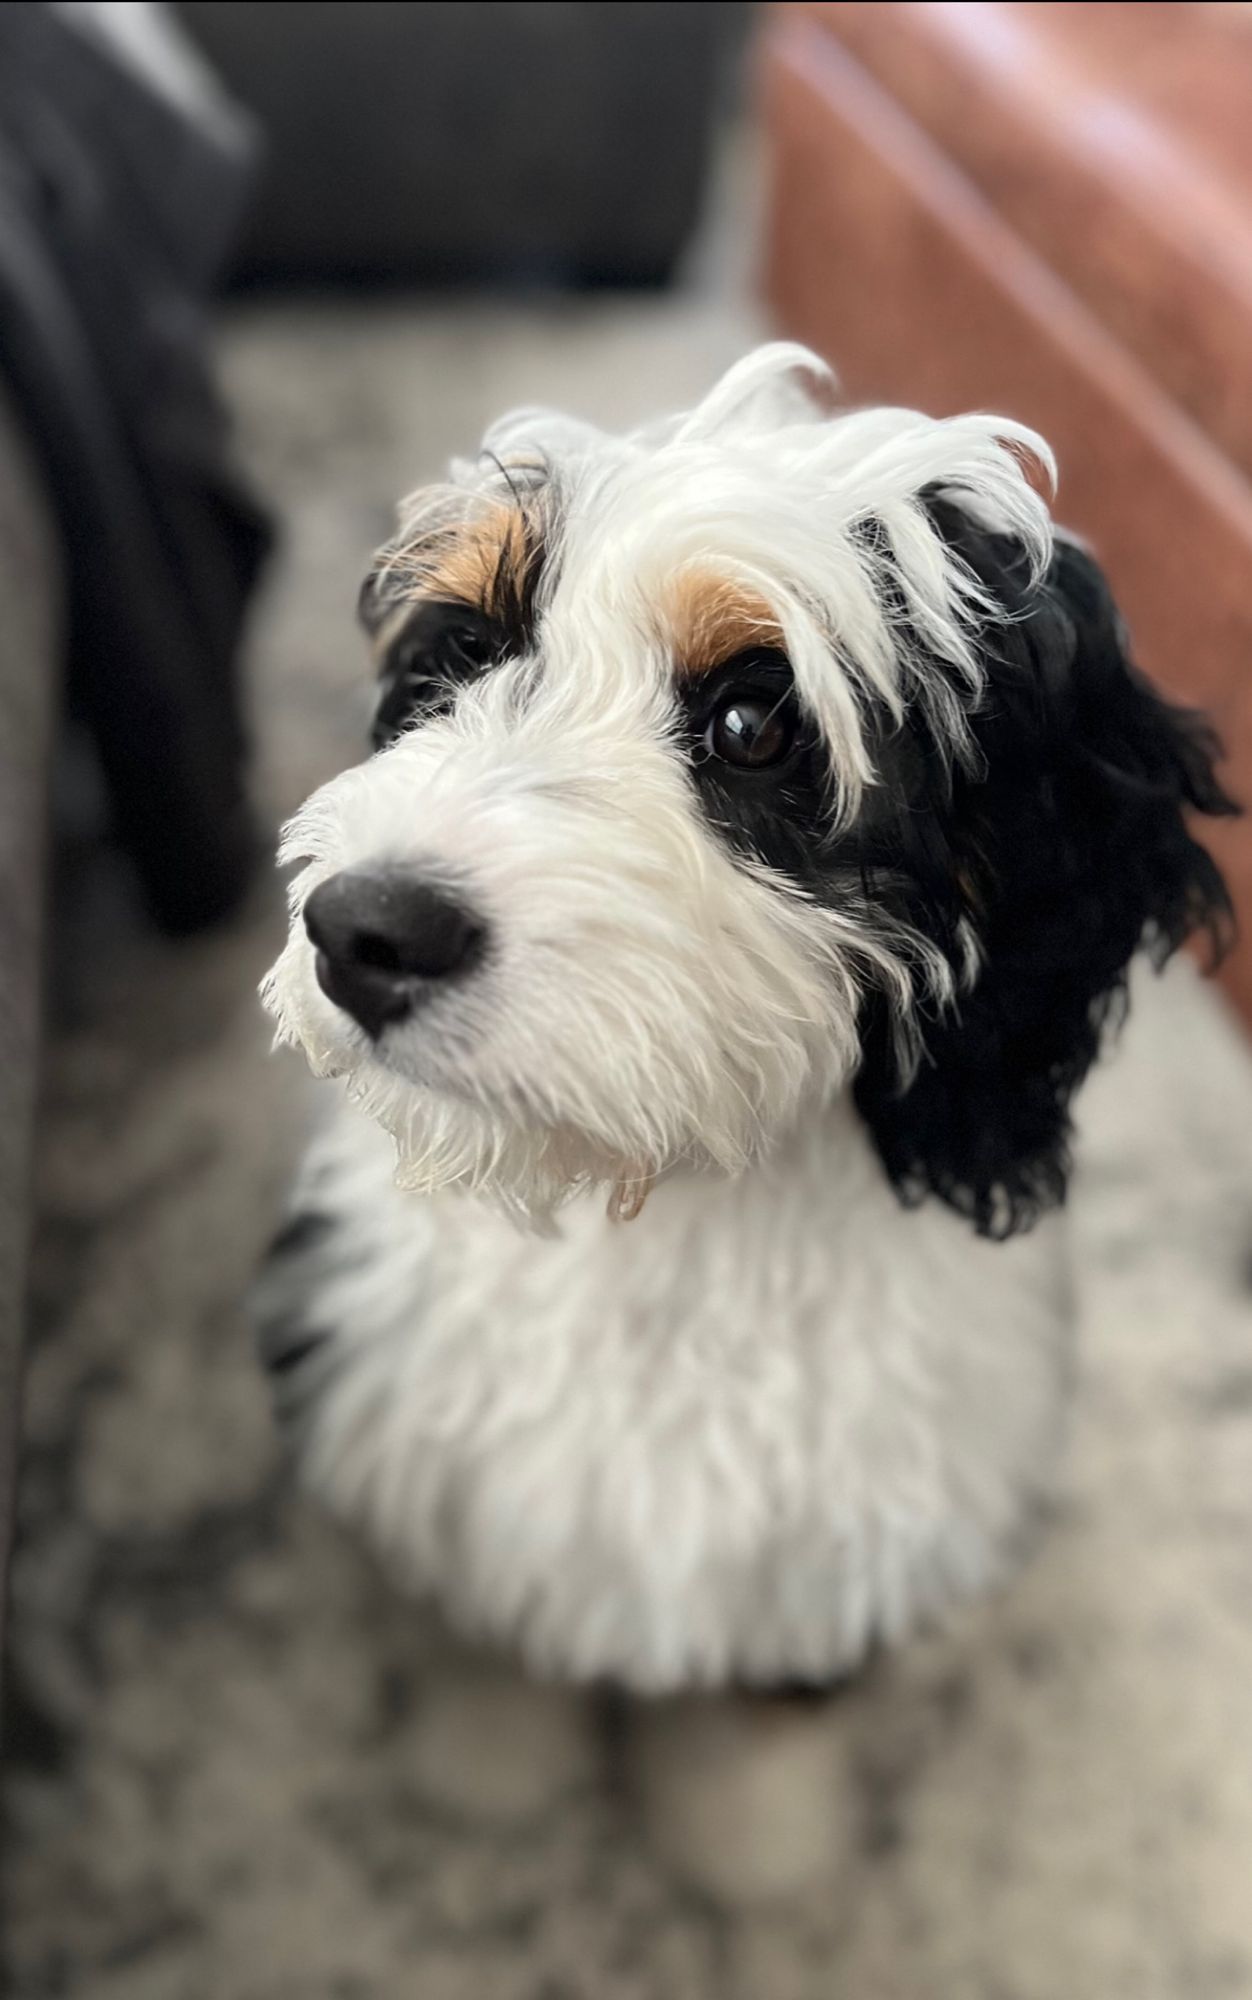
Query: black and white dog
pixel 763 815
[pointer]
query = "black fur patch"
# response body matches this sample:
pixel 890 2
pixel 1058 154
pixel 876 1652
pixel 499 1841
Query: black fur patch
pixel 283 1343
pixel 285 1305
pixel 439 650
pixel 1067 848
pixel 779 814
pixel 301 1231
pixel 298 1357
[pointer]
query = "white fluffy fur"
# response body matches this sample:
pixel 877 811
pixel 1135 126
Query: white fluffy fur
pixel 737 1438
pixel 776 1414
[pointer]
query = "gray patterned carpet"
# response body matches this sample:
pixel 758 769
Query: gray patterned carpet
pixel 212 1791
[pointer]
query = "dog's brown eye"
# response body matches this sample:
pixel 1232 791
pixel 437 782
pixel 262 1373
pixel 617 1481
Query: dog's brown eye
pixel 750 731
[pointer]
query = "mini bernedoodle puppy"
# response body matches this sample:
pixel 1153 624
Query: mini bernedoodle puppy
pixel 762 817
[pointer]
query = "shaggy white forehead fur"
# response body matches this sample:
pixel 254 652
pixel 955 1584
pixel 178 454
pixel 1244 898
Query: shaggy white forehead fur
pixel 649 997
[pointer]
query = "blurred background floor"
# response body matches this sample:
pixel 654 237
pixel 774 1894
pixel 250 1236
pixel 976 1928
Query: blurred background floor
pixel 212 1783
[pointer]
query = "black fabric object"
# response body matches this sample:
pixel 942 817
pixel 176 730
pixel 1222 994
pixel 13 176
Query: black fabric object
pixel 123 174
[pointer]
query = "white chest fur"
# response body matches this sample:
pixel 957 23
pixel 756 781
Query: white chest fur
pixel 737 1438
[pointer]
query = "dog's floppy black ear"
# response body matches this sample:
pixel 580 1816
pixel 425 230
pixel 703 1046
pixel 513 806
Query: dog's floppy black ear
pixel 1064 846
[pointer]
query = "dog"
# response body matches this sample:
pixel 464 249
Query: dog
pixel 762 817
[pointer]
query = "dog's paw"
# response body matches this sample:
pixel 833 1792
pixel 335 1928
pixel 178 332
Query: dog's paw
pixel 747 1799
pixel 501 1750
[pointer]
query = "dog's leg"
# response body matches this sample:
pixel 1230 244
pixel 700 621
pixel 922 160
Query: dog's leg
pixel 494 1747
pixel 748 1796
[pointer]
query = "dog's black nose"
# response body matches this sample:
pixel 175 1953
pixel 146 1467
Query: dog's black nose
pixel 382 935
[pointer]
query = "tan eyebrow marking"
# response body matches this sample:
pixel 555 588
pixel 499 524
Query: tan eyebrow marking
pixel 491 562
pixel 710 618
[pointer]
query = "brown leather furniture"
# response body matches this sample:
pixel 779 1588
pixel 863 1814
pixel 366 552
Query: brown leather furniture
pixel 1047 210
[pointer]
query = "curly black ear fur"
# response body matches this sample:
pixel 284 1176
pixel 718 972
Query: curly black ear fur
pixel 1065 847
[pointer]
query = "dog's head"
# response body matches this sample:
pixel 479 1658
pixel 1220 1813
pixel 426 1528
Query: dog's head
pixel 725 766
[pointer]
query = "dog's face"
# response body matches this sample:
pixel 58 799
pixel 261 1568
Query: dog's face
pixel 681 811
